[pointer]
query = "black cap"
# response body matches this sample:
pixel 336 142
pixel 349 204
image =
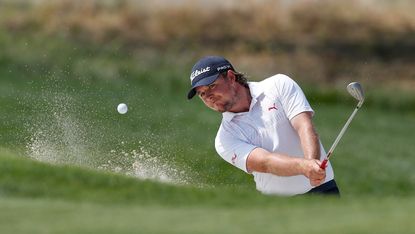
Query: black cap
pixel 206 71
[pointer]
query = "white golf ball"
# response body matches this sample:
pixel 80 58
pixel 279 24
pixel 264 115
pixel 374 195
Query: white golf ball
pixel 122 108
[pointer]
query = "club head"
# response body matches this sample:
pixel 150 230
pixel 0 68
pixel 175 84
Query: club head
pixel 356 90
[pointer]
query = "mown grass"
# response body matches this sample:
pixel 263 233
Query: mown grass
pixel 311 216
pixel 39 198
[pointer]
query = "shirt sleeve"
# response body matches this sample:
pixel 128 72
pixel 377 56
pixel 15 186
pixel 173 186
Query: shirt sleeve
pixel 232 149
pixel 291 96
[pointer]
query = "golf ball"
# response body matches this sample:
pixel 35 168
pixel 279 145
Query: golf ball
pixel 122 108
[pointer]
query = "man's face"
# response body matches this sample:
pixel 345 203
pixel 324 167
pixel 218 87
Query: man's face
pixel 220 95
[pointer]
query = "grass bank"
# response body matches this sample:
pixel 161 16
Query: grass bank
pixel 40 198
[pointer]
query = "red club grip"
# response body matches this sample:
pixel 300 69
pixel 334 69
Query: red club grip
pixel 324 164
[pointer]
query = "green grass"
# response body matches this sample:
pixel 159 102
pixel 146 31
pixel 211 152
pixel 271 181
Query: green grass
pixel 39 198
pixel 52 216
pixel 60 108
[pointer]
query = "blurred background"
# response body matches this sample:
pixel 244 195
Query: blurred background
pixel 322 43
pixel 65 65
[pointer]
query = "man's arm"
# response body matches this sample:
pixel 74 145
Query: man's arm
pixel 310 143
pixel 260 160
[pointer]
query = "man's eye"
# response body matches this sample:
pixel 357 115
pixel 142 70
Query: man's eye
pixel 201 94
pixel 212 86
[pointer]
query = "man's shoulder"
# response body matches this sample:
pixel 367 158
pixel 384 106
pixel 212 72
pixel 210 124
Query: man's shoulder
pixel 271 85
pixel 273 81
pixel 277 79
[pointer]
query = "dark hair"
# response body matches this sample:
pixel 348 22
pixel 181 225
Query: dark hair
pixel 240 78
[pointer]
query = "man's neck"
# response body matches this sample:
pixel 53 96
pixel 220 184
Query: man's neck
pixel 244 99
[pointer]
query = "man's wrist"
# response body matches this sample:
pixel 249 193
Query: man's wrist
pixel 304 168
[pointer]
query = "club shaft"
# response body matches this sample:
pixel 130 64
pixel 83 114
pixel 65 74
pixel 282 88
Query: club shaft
pixel 342 131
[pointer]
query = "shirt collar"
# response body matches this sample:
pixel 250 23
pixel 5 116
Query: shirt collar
pixel 255 91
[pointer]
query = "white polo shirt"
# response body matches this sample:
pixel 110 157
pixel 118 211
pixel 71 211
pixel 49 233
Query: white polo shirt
pixel 275 101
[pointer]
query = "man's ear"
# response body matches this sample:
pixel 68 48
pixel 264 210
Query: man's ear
pixel 231 75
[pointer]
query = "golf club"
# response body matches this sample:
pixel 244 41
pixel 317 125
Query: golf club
pixel 356 90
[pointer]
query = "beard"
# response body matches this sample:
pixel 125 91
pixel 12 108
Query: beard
pixel 224 102
pixel 222 106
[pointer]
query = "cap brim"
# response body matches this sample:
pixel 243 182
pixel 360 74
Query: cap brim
pixel 206 81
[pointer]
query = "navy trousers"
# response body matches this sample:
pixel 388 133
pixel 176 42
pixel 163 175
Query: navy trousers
pixel 328 188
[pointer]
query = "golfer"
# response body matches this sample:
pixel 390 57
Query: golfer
pixel 266 128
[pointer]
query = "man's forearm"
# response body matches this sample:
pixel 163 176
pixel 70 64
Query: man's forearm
pixel 283 165
pixel 310 143
pixel 260 160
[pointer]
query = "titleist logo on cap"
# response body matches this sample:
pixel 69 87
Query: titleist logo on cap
pixel 198 72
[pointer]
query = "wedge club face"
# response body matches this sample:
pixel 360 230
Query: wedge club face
pixel 356 90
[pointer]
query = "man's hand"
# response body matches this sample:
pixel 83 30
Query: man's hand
pixel 314 173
